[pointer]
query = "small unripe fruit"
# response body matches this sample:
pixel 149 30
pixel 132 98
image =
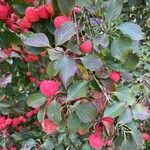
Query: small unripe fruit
pixel 86 47
pixel 59 20
pixel 31 14
pixel 115 76
pixel 49 88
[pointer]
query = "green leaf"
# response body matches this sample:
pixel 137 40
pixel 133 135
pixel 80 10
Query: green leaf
pixel 34 50
pixel 129 144
pixel 52 69
pixel 29 144
pixel 55 53
pixel 86 112
pixel 114 110
pixel 73 122
pixel 48 145
pixel 67 68
pixel 120 47
pixel 100 41
pixel 64 33
pixel 54 112
pixel 35 40
pixel 132 30
pixel 36 100
pixel 41 114
pixel 131 61
pixel 77 90
pixel 66 6
pixel 113 10
pixel 141 112
pixel 124 94
pixel 6 104
pixel 84 3
pixel 91 62
pixel 125 117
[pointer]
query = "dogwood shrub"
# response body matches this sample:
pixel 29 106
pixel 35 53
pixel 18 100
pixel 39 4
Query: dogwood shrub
pixel 74 75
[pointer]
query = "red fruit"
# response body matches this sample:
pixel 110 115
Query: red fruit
pixel 42 12
pixel 86 47
pixel 146 137
pixel 49 88
pixel 8 121
pixel 4 12
pixel 29 114
pixel 96 141
pixel 31 14
pixel 26 23
pixel 48 126
pixel 13 27
pixel 108 120
pixel 50 8
pixel 41 71
pixel 59 20
pixel 15 122
pixel 115 76
pixel 77 9
pixel 28 74
pixel 24 120
pixel 108 142
pixel 13 148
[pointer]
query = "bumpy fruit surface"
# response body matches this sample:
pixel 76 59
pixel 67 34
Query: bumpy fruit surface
pixel 31 14
pixel 4 12
pixel 42 12
pixel 86 47
pixel 59 20
pixel 115 76
pixel 49 88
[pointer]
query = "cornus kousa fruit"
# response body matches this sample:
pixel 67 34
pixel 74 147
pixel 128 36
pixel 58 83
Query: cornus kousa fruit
pixel 86 47
pixel 42 12
pixel 4 12
pixel 146 137
pixel 31 14
pixel 59 20
pixel 48 126
pixel 50 8
pixel 115 76
pixel 49 88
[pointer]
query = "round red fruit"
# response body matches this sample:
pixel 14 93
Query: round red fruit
pixel 59 20
pixel 4 12
pixel 42 12
pixel 86 47
pixel 49 88
pixel 31 14
pixel 115 76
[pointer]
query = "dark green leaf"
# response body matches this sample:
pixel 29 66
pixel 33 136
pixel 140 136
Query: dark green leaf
pixel 41 114
pixel 52 69
pixel 113 10
pixel 73 122
pixel 66 6
pixel 65 32
pixel 35 40
pixel 77 90
pixel 54 112
pixel 48 145
pixel 124 94
pixel 101 40
pixel 86 112
pixel 67 68
pixel 126 116
pixel 91 62
pixel 120 48
pixel 36 100
pixel 114 110
pixel 132 30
